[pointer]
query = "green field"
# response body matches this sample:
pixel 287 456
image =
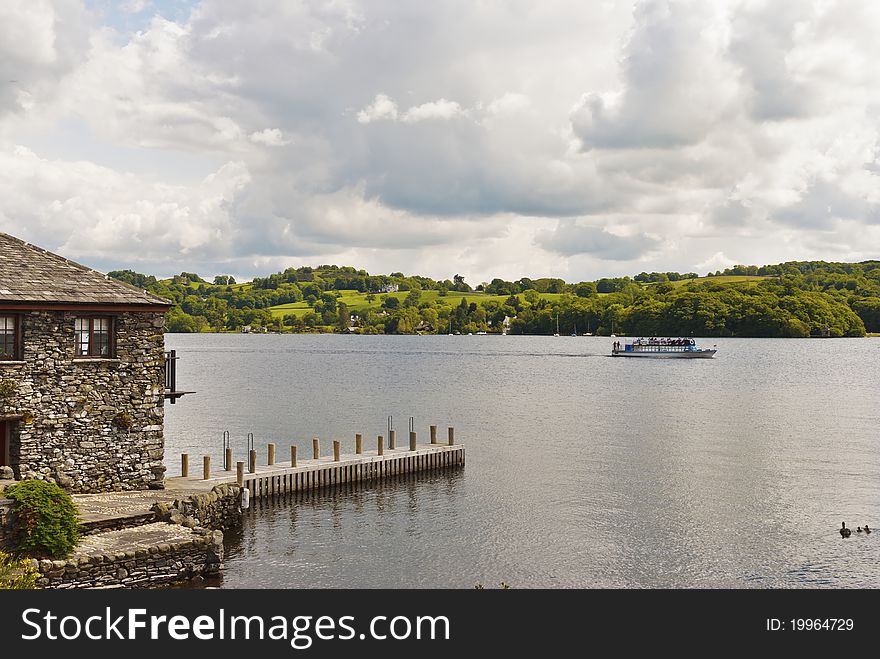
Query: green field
pixel 357 302
pixel 724 279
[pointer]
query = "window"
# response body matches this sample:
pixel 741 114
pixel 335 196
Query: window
pixel 9 338
pixel 94 337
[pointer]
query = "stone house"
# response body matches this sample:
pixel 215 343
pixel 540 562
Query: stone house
pixel 82 374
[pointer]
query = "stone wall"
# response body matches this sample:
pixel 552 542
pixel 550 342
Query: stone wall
pixel 72 413
pixel 218 509
pixel 147 556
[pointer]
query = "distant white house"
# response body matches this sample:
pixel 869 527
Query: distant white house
pixel 389 288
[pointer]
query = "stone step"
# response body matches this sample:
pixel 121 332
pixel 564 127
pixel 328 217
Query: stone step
pixel 113 511
pixel 101 525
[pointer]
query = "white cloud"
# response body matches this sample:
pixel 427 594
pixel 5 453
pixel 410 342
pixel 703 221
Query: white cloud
pixel 439 109
pixel 572 138
pixel 269 137
pixel 88 211
pixel 40 43
pixel 718 261
pixel 678 82
pixel 385 108
pixel 381 108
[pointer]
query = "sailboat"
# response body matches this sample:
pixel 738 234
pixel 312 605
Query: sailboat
pixel 574 332
pixel 557 325
pixel 588 332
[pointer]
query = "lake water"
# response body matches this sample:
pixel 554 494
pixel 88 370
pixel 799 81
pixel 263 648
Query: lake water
pixel 582 470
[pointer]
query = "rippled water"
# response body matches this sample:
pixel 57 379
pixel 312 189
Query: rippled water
pixel 582 470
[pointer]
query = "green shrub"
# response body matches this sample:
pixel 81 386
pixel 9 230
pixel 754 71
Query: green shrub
pixel 47 518
pixel 17 574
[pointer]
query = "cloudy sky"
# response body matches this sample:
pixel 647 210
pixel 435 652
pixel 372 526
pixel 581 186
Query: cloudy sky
pixel 576 138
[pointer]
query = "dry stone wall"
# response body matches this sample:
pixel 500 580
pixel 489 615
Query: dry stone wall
pixel 146 556
pixel 218 509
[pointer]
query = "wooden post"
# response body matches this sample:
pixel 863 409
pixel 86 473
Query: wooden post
pixel 252 467
pixel 316 448
pixel 433 434
pixel 335 450
pixel 228 463
pixel 391 438
pixel 358 444
pixel 239 472
pixel 412 440
pixel 206 463
pixel 293 456
pixel 451 436
pixel 381 445
pixel 184 465
pixel 271 454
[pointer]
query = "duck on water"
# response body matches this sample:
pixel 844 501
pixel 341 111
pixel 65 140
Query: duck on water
pixel 845 532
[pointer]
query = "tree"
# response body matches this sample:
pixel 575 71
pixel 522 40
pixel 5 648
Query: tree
pixel 412 298
pixel 869 311
pixel 344 316
pixel 134 278
pixel 329 301
pixel 585 289
pixel 460 285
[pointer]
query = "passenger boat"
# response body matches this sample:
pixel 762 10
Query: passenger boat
pixel 663 348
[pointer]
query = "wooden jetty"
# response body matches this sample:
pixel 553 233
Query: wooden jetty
pixel 297 475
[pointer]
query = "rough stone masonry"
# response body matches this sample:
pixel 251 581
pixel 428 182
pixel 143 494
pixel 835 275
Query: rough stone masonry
pixel 91 425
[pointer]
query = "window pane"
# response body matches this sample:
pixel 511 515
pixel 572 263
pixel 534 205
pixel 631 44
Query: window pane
pixel 101 343
pixel 82 337
pixel 93 337
pixel 7 337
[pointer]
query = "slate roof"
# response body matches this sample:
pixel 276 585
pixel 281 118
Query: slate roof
pixel 31 274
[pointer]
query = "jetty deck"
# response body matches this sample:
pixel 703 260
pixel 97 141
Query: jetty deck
pixel 295 475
